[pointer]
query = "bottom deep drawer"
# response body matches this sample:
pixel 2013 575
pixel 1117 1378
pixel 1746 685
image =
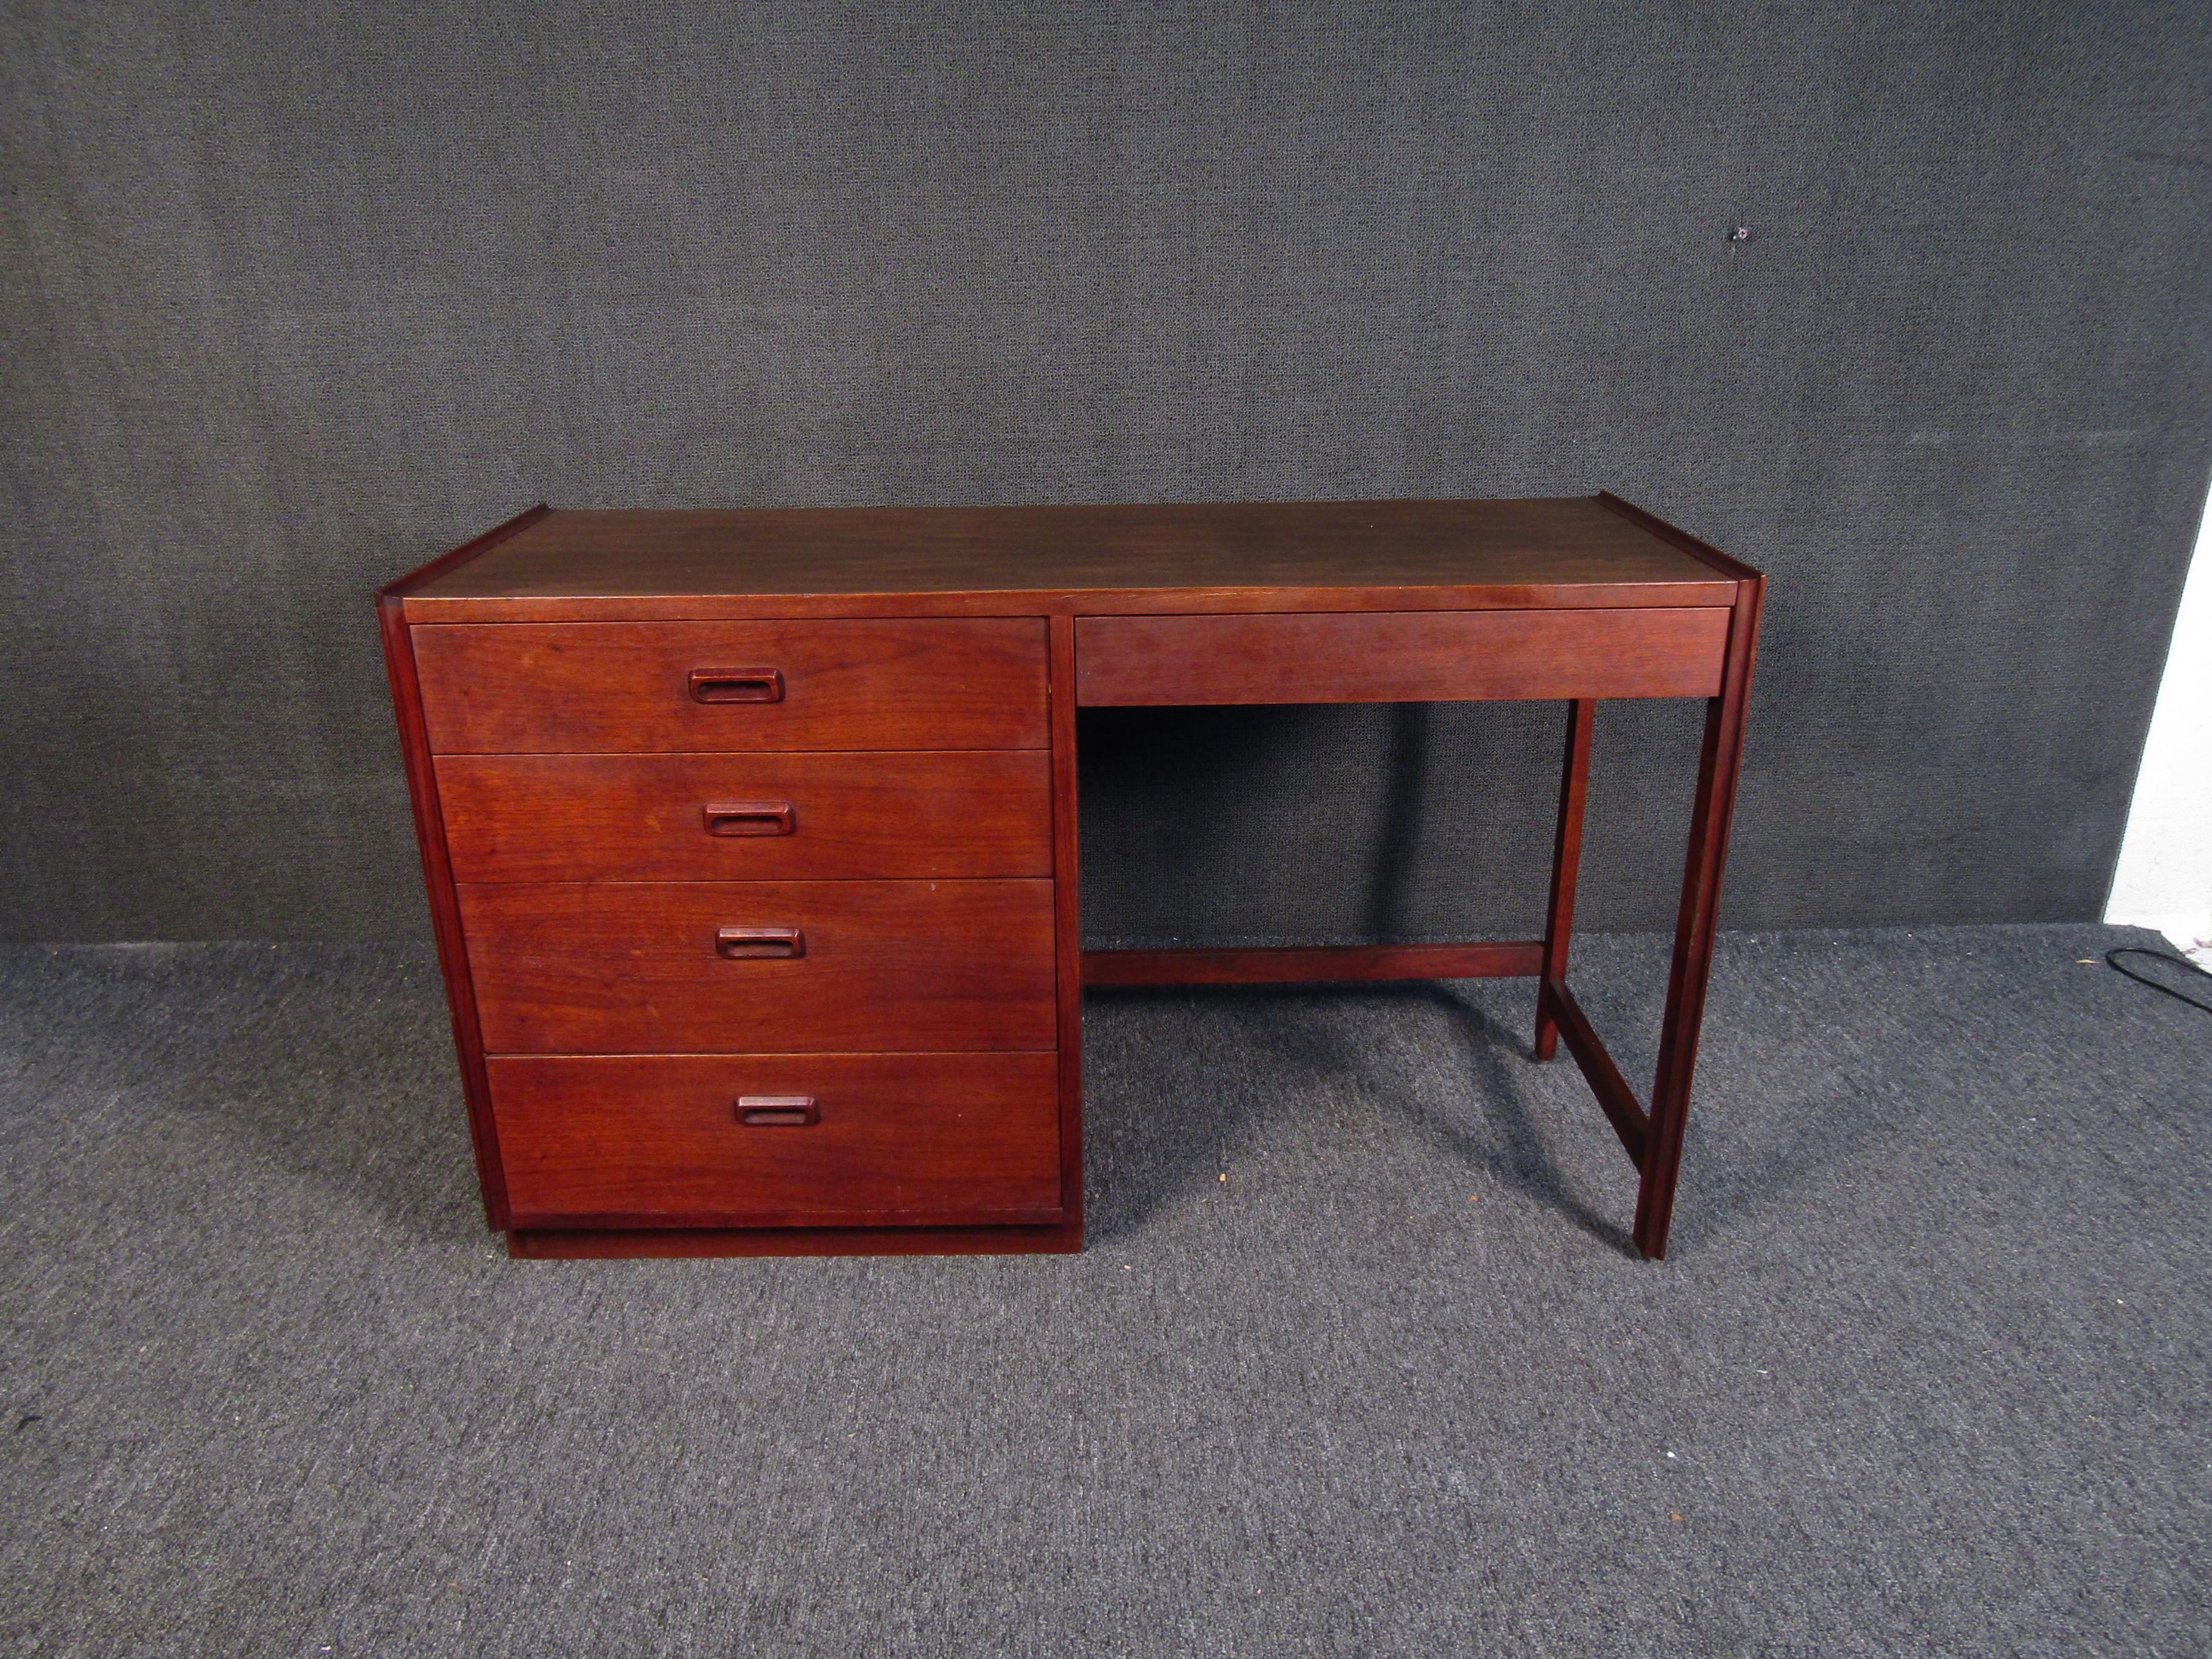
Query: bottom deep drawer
pixel 778 1141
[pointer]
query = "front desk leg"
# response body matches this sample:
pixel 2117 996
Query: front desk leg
pixel 1567 862
pixel 1717 769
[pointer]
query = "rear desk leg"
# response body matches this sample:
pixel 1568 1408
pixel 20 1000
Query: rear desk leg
pixel 1567 860
pixel 1717 769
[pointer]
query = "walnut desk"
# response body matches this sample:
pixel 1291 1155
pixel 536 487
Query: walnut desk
pixel 750 837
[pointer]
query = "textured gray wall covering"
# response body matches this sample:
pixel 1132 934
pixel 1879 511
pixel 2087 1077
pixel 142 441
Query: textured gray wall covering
pixel 296 297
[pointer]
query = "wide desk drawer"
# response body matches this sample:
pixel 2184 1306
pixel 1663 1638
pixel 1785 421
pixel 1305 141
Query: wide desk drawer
pixel 778 1141
pixel 747 817
pixel 1402 656
pixel 499 688
pixel 761 966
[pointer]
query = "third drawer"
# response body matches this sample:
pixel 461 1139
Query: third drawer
pixel 747 817
pixel 747 966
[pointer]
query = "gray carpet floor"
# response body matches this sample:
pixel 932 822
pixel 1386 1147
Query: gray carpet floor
pixel 1358 1361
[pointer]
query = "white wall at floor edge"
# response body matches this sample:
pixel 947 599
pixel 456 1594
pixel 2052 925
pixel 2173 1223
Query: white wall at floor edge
pixel 2164 879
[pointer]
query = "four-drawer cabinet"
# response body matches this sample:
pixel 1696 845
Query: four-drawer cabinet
pixel 751 926
pixel 751 836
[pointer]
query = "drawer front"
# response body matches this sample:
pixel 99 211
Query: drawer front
pixel 758 817
pixel 1403 656
pixel 832 1140
pixel 762 966
pixel 532 688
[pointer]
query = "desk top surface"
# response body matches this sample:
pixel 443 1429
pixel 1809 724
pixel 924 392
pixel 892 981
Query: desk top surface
pixel 1570 551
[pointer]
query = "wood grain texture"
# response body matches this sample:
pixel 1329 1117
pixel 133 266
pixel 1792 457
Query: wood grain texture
pixel 1315 964
pixel 601 687
pixel 400 587
pixel 1719 766
pixel 910 813
pixel 1566 866
pixel 900 1140
pixel 1067 920
pixel 1615 1098
pixel 576 672
pixel 444 909
pixel 1726 564
pixel 592 1244
pixel 1555 553
pixel 430 839
pixel 1417 656
pixel 633 968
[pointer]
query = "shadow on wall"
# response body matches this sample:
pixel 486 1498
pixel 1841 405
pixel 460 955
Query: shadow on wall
pixel 1315 824
pixel 1305 824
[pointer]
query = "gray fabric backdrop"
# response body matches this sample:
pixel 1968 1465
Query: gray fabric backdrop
pixel 294 297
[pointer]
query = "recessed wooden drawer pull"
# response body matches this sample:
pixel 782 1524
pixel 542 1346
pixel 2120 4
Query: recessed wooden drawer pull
pixel 750 818
pixel 778 1111
pixel 737 685
pixel 738 944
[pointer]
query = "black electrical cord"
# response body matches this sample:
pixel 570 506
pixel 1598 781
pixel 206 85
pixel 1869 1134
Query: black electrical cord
pixel 2159 956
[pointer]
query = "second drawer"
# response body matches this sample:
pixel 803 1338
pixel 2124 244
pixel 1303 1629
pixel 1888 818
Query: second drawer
pixel 750 966
pixel 723 818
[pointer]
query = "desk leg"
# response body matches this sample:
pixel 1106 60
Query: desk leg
pixel 1566 861
pixel 1718 767
pixel 1067 924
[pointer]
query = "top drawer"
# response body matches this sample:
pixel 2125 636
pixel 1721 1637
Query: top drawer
pixel 542 688
pixel 1402 656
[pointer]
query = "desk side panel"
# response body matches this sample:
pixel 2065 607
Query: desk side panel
pixel 445 906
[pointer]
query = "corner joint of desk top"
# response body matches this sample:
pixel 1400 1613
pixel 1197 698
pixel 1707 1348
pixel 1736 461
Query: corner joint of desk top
pixel 398 589
pixel 1725 563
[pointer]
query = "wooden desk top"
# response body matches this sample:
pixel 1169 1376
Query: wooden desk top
pixel 1553 553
